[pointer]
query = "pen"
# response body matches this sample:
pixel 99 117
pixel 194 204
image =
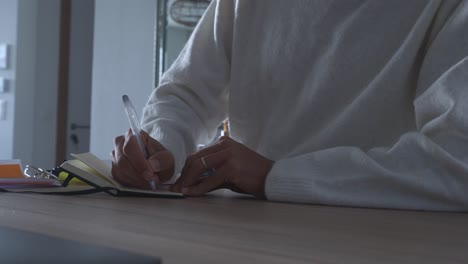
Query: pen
pixel 135 126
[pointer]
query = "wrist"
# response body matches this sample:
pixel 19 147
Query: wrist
pixel 265 171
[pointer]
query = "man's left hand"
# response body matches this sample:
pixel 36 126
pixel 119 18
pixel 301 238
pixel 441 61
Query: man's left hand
pixel 229 165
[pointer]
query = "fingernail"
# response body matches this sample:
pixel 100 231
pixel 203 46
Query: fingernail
pixel 155 165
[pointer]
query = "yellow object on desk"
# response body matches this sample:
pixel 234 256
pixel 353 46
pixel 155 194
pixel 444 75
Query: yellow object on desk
pixel 74 181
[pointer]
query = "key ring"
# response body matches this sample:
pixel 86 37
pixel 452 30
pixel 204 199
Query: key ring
pixel 34 172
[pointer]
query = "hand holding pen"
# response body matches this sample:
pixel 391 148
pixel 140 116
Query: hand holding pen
pixel 136 130
pixel 137 161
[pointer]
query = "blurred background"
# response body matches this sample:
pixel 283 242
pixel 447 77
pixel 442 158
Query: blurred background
pixel 64 65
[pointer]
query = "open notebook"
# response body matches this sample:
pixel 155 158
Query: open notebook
pixel 96 175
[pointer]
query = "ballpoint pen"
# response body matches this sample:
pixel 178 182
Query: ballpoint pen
pixel 136 130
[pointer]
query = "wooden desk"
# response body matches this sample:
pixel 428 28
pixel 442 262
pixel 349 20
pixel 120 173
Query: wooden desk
pixel 219 229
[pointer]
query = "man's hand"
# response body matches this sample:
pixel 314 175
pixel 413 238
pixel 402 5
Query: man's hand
pixel 231 165
pixel 129 166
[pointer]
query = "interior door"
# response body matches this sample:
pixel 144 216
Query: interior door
pixel 80 77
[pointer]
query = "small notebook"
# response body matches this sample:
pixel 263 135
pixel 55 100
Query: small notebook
pixel 97 175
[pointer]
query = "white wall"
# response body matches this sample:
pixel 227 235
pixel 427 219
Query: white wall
pixel 122 64
pixel 31 30
pixel 8 18
pixel 46 83
pixel 36 76
pixel 176 38
pixel 80 75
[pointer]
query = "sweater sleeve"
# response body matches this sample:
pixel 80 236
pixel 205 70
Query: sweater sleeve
pixel 191 100
pixel 426 169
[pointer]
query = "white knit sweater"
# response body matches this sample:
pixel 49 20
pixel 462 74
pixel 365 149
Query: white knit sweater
pixel 359 103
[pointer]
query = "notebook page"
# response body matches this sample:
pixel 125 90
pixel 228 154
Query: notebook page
pixel 79 168
pixel 97 164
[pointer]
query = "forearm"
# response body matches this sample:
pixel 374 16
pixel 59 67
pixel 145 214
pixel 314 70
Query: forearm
pixel 191 101
pixel 415 175
pixel 425 169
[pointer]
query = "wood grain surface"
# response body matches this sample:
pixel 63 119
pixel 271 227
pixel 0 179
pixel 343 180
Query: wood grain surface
pixel 228 228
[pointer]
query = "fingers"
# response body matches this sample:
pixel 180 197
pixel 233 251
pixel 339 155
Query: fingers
pixel 118 144
pixel 162 163
pixel 131 165
pixel 212 161
pixel 127 169
pixel 194 176
pixel 152 145
pixel 136 157
pixel 220 145
pixel 193 170
pixel 207 184
pixel 125 173
pixel 237 168
pixel 125 180
pixel 132 151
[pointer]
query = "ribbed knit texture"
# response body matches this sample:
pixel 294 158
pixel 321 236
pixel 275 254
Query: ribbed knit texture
pixel 359 103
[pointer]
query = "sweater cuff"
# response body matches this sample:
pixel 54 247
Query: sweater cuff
pixel 285 185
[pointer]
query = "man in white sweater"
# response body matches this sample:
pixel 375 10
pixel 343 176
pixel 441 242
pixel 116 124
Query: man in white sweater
pixel 353 103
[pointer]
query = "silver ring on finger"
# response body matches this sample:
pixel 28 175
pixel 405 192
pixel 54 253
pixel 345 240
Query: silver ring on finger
pixel 204 163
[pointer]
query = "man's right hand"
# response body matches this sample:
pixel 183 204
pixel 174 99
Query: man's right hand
pixel 129 166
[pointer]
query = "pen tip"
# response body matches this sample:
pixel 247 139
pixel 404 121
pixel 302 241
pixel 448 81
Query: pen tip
pixel 153 185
